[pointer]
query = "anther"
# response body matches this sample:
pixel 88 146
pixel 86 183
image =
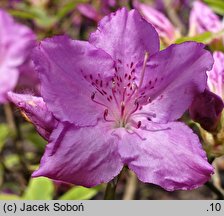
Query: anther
pixel 105 116
pixel 124 92
pixel 97 102
pixel 139 124
pixel 93 95
pixel 122 108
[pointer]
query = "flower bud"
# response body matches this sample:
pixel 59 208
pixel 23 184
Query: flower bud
pixel 35 111
pixel 206 109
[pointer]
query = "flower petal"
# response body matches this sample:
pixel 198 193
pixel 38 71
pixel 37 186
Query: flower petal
pixel 85 156
pixel 88 11
pixel 35 110
pixel 168 155
pixel 126 36
pixel 8 80
pixel 28 79
pixel 68 70
pixel 216 76
pixel 173 78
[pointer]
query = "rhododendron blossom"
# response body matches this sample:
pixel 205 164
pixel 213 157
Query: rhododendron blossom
pixel 203 19
pixel 16 41
pixel 160 22
pixel 116 99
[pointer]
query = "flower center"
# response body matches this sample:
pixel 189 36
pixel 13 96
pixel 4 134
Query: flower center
pixel 120 95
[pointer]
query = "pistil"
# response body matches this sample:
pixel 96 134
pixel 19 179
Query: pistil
pixel 143 72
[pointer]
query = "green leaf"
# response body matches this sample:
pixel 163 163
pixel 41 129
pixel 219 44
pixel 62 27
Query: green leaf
pixel 42 18
pixel 203 38
pixel 206 37
pixel 1 175
pixel 22 14
pixel 216 5
pixel 68 8
pixel 4 196
pixel 11 160
pixel 39 189
pixel 37 14
pixel 65 10
pixel 4 133
pixel 80 193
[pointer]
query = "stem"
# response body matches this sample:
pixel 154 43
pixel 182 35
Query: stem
pixel 130 3
pixel 14 125
pixel 131 187
pixel 82 31
pixel 213 188
pixel 112 185
pixel 173 16
pixel 9 117
pixel 110 190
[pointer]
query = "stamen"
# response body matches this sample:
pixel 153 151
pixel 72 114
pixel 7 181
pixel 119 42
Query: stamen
pixel 134 132
pixel 135 124
pixel 147 114
pixel 93 99
pixel 105 113
pixel 139 124
pixel 156 130
pixel 133 111
pixel 133 91
pixel 115 98
pixel 124 92
pixel 105 116
pixel 136 107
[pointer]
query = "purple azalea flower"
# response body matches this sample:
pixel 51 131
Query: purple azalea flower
pixel 16 41
pixel 216 75
pixel 160 22
pixel 203 19
pixel 116 98
pixel 89 11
